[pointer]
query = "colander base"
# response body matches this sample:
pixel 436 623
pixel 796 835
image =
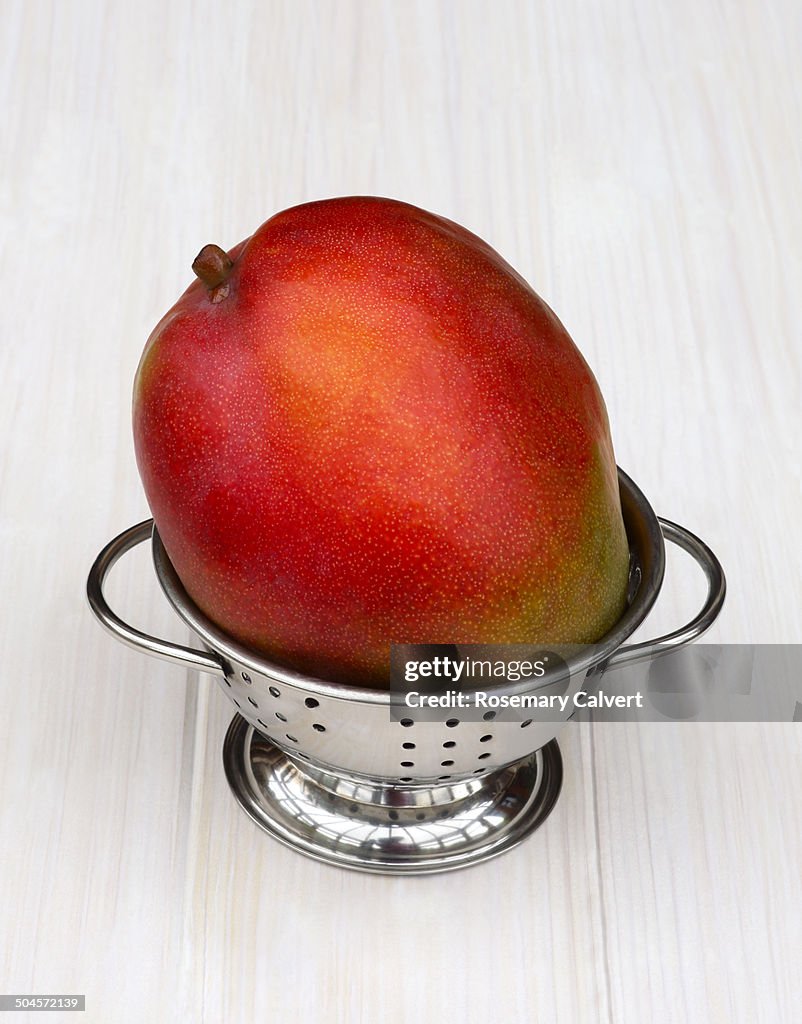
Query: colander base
pixel 386 828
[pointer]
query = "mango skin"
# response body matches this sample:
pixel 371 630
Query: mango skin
pixel 381 434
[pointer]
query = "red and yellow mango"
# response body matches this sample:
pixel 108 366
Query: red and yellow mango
pixel 362 427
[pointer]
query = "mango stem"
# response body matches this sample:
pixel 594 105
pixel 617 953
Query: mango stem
pixel 213 266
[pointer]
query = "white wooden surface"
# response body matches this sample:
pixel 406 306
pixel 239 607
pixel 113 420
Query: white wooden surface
pixel 639 162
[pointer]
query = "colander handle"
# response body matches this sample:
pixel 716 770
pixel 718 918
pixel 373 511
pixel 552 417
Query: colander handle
pixel 716 590
pixel 187 656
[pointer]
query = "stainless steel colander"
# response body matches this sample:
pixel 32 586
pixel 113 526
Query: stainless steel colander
pixel 326 769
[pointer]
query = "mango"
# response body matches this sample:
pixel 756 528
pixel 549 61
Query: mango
pixel 360 427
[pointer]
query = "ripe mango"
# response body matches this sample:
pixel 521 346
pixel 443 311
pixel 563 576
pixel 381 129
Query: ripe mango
pixel 360 427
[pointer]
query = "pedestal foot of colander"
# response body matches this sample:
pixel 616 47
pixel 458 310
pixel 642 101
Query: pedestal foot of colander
pixel 383 828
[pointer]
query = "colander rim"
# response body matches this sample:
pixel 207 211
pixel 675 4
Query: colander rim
pixel 647 553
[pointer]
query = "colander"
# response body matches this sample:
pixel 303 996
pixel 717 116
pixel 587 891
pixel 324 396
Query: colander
pixel 327 769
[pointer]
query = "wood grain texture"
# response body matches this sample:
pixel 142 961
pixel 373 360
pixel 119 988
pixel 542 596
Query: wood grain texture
pixel 638 162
